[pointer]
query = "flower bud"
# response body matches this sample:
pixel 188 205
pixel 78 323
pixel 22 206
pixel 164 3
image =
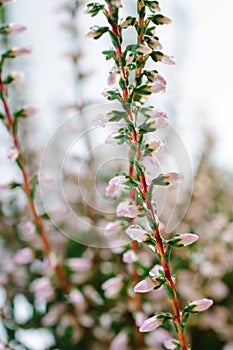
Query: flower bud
pixel 127 210
pixel 129 257
pixel 201 305
pixel 146 285
pixel 136 232
pixel 12 28
pixel 114 186
pixel 143 49
pixel 171 344
pixel 79 264
pixel 13 154
pixel 155 44
pixel 24 256
pixel 150 324
pixel 113 226
pixel 100 120
pixel 174 178
pixel 119 342
pixel 168 60
pixel 112 286
pixel 17 52
pixel 185 239
pixel 27 111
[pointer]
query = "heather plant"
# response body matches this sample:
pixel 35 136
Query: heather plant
pixel 133 83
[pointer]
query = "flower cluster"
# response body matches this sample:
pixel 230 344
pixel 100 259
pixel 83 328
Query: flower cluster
pixel 133 84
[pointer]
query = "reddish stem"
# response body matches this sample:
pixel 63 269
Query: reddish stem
pixel 27 189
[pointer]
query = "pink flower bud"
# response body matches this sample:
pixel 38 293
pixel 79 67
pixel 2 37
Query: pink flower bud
pixel 139 318
pixel 171 344
pixel 129 59
pixel 157 145
pixel 24 256
pixel 79 264
pixel 5 1
pixel 13 154
pixel 160 117
pixel 113 76
pixel 155 6
pixel 114 186
pixel 16 75
pixel 110 140
pixel 5 186
pixel 18 51
pixel 174 178
pixel 135 232
pixel 29 111
pixel 186 239
pixel 164 20
pixel 42 288
pixel 113 226
pixel 112 286
pixel 13 28
pixel 150 324
pixel 76 298
pixel 29 229
pixel 117 3
pixel 155 44
pixel 127 210
pixel 143 49
pixel 129 257
pixel 167 60
pixel 100 120
pixel 145 286
pixel 120 342
pixel 201 304
pixel 156 271
pixel 159 84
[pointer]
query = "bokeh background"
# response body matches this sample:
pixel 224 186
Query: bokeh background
pixel 198 100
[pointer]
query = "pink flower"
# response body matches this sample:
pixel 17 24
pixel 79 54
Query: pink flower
pixel 6 1
pixel 5 186
pixel 164 20
pixel 13 154
pixel 113 76
pixel 76 298
pixel 113 226
pixel 150 324
pixel 155 44
pixel 42 288
pixel 174 178
pixel 13 28
pixel 100 120
pixel 155 6
pixel 186 239
pixel 54 314
pixel 143 49
pixel 159 84
pixel 135 232
pixel 16 75
pixel 129 257
pixel 120 342
pixel 127 210
pixel 201 304
pixel 18 51
pixel 156 145
pixel 24 256
pixel 110 140
pixel 79 264
pixel 167 60
pixel 156 271
pixel 145 286
pixel 29 229
pixel 171 344
pixel 114 185
pixel 29 111
pixel 160 118
pixel 139 318
pixel 112 286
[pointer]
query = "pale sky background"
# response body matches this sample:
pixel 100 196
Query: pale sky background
pixel 199 86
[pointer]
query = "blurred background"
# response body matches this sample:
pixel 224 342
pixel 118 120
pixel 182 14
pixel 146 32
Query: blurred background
pixel 65 73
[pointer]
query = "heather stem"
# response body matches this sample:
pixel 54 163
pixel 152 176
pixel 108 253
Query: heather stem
pixel 27 189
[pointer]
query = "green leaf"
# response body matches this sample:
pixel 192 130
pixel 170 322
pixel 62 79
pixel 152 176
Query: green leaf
pixel 109 54
pixel 160 180
pixel 114 39
pixel 169 290
pixel 116 116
